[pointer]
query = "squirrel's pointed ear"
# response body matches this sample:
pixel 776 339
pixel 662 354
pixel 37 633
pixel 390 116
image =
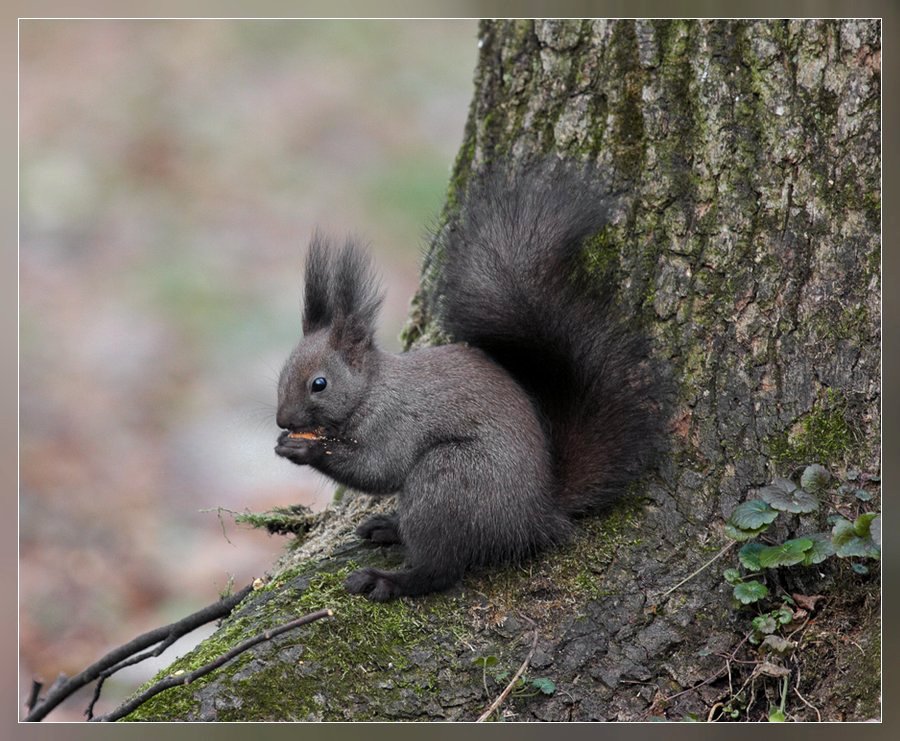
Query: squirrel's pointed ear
pixel 351 339
pixel 357 299
pixel 317 286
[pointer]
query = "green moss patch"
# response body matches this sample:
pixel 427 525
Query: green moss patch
pixel 601 252
pixel 569 575
pixel 298 675
pixel 827 435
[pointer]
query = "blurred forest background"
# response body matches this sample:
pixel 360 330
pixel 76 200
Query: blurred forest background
pixel 171 173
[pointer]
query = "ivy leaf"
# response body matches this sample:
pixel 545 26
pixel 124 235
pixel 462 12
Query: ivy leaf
pixel 544 684
pixel 768 669
pixel 786 554
pixel 861 524
pixel 764 624
pixel 785 496
pixel 750 591
pixel 779 644
pixel 736 533
pixel 875 530
pixel 484 661
pixel 749 556
pixel 783 615
pixel 847 542
pixel 815 478
pixel 752 515
pixel 862 495
pixel 732 576
pixel 784 486
pixel 822 548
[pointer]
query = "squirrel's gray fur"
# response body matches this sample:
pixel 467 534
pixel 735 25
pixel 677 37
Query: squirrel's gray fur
pixel 546 407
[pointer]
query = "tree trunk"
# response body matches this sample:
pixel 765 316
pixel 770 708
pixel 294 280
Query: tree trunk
pixel 745 158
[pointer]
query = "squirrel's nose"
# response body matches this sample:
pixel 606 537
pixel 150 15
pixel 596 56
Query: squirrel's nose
pixel 283 419
pixel 292 418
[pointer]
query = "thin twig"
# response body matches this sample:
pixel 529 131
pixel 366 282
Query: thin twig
pixel 704 566
pixel 725 668
pixel 63 689
pixel 797 630
pixel 180 679
pixel 753 675
pixel 509 688
pixel 218 511
pixel 104 675
pixel 36 686
pixel 850 640
pixel 711 678
pixel 808 704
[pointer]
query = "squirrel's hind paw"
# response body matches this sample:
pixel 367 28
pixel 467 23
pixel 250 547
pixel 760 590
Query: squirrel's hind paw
pixel 374 584
pixel 381 586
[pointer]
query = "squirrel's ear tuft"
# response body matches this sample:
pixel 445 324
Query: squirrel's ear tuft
pixel 317 286
pixel 357 299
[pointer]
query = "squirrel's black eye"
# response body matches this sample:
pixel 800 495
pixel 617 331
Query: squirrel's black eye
pixel 318 384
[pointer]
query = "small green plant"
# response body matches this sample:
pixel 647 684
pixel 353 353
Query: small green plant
pixel 845 531
pixel 296 519
pixel 856 538
pixel 767 625
pixel 525 686
pixel 777 715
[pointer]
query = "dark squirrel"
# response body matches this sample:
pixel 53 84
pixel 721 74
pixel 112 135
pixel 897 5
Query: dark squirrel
pixel 546 407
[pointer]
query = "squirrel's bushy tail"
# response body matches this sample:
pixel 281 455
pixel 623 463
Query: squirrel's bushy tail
pixel 515 284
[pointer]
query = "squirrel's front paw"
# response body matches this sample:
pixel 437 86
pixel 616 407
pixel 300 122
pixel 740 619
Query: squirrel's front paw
pixel 381 529
pixel 374 584
pixel 302 452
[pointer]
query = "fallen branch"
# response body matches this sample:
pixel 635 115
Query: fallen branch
pixel 125 655
pixel 182 679
pixel 509 688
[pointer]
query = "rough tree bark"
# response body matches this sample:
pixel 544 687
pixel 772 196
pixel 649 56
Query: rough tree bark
pixel 746 161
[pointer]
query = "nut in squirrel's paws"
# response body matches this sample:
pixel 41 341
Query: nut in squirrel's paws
pixel 304 436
